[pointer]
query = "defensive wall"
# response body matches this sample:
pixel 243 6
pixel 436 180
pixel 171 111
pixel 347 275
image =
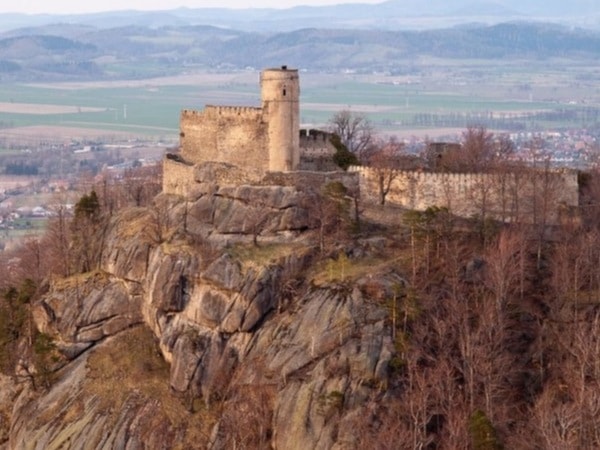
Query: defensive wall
pixel 234 135
pixel 178 176
pixel 312 179
pixel 262 139
pixel 525 196
pixel 316 143
pixel 189 180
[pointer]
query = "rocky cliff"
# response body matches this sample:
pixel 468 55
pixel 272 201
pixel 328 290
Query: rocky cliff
pixel 212 322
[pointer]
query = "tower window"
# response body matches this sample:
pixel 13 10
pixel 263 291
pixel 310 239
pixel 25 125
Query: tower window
pixel 284 92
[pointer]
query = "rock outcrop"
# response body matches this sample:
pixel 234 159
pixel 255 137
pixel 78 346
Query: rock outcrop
pixel 191 336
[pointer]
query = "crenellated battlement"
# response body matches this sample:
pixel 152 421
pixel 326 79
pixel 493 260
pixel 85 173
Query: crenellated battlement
pixel 316 143
pixel 234 111
pixel 212 111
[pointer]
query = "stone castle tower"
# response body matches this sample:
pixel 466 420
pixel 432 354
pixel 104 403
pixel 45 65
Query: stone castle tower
pixel 280 92
pixel 254 140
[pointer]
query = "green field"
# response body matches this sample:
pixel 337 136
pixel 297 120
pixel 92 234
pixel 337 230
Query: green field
pixel 393 103
pixel 146 109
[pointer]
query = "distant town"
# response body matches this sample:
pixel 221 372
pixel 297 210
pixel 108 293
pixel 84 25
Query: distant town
pixel 37 181
pixel 40 181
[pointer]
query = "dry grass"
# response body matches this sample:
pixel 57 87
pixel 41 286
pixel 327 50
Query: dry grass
pixel 134 221
pixel 256 257
pixel 130 365
pixel 344 269
pixel 84 282
pixel 74 412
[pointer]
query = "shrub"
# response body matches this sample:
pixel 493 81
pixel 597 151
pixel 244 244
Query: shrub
pixel 483 434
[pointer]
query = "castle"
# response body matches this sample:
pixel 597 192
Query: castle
pixel 260 140
pixel 264 145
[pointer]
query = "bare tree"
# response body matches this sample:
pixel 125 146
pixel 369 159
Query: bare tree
pixel 354 130
pixel 34 263
pixel 481 197
pixel 478 148
pixel 479 151
pixel 385 158
pixel 142 184
pixel 429 230
pixel 504 150
pixel 246 420
pixel 257 217
pixel 567 413
pixel 589 183
pixel 503 266
pixel 134 187
pixel 543 192
pixel 57 239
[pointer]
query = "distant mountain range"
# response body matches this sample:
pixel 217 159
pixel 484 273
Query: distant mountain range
pixel 389 15
pixel 354 37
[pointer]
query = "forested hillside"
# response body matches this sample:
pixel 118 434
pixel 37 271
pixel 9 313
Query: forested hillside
pixel 78 52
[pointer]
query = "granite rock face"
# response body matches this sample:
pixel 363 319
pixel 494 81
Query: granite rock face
pixel 86 309
pixel 177 329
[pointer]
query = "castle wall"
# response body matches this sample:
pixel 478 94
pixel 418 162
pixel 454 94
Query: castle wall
pixel 316 151
pixel 314 180
pixel 527 196
pixel 317 164
pixel 223 174
pixel 178 177
pixel 233 135
pixel 316 143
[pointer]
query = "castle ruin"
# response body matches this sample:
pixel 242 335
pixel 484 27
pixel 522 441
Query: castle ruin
pixel 257 140
pixel 234 145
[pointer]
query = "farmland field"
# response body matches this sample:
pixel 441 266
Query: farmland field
pixel 439 99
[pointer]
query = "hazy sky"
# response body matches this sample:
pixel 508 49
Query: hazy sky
pixel 83 6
